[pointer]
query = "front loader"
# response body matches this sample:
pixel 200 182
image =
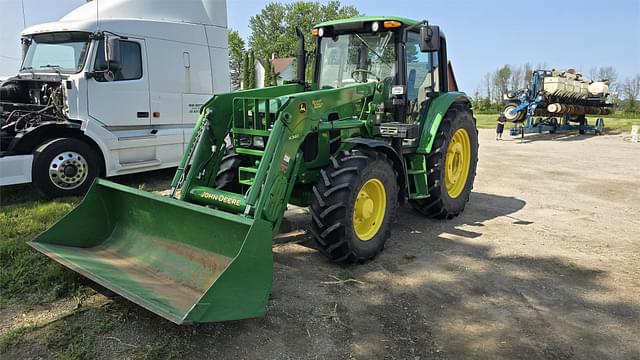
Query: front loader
pixel 380 124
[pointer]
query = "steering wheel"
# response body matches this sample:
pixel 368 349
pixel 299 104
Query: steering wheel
pixel 354 72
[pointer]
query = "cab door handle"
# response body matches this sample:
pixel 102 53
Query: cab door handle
pixel 143 114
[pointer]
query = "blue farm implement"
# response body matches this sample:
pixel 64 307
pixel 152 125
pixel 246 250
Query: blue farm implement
pixel 557 102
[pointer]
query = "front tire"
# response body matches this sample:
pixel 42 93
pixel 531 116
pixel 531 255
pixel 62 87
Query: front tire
pixel 451 165
pixel 354 206
pixel 64 167
pixel 227 178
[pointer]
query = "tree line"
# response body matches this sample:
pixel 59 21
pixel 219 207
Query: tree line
pixel 495 84
pixel 273 32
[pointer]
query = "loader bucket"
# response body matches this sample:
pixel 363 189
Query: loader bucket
pixel 184 262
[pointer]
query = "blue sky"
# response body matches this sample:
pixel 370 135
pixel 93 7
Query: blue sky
pixel 482 35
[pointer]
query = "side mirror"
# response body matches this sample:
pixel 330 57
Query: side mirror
pixel 429 38
pixel 25 42
pixel 112 52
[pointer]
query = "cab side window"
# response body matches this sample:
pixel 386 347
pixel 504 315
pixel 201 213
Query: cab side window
pixel 422 70
pixel 131 62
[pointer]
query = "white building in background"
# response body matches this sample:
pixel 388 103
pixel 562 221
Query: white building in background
pixel 285 69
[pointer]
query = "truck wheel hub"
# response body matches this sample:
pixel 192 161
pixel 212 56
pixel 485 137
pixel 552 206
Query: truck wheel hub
pixel 369 209
pixel 68 170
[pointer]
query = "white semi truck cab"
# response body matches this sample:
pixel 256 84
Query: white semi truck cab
pixel 109 91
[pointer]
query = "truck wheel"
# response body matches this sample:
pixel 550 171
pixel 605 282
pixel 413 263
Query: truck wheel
pixel 64 167
pixel 354 205
pixel 451 165
pixel 227 177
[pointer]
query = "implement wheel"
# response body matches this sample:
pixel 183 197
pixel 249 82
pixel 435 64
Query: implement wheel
pixel 355 203
pixel 517 117
pixel 452 165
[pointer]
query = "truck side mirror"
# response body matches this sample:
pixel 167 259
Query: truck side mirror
pixel 25 42
pixel 112 52
pixel 429 38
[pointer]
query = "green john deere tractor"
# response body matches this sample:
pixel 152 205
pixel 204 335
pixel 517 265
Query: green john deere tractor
pixel 380 124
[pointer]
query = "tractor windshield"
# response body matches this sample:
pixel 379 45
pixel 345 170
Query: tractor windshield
pixel 350 58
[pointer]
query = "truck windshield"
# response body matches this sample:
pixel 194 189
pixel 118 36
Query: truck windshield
pixel 349 58
pixel 62 52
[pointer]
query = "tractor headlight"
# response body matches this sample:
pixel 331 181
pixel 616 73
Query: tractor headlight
pixel 244 140
pixel 375 26
pixel 320 32
pixel 258 141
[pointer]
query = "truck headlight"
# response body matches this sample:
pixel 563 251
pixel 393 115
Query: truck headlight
pixel 375 26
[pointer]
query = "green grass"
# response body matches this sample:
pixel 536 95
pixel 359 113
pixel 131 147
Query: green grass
pixel 12 338
pixel 103 326
pixel 25 274
pixel 153 352
pixel 69 340
pixel 84 349
pixel 612 124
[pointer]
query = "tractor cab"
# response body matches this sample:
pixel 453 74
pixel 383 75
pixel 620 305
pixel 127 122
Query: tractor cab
pixel 402 55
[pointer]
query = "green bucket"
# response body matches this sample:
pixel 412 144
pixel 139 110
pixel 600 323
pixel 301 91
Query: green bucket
pixel 184 262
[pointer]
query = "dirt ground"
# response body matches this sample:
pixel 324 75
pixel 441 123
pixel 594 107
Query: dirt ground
pixel 543 264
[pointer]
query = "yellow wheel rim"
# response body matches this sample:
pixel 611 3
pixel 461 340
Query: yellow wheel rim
pixel 457 163
pixel 368 211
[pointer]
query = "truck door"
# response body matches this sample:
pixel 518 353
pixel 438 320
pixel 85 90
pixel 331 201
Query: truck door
pixel 125 100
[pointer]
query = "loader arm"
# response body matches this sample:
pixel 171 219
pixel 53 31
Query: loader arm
pixel 296 116
pixel 193 263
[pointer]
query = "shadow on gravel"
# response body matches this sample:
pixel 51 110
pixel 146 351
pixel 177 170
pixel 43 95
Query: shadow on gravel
pixel 565 136
pixel 437 291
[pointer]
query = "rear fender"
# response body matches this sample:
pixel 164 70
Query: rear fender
pixel 432 115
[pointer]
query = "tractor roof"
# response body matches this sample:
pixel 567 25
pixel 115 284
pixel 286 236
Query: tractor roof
pixel 362 19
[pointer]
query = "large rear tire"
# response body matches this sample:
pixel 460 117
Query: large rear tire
pixel 452 165
pixel 354 206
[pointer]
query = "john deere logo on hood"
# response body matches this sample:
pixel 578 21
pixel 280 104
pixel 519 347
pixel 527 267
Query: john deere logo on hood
pixel 302 108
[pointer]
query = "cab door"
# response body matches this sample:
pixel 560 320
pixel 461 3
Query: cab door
pixel 422 74
pixel 124 101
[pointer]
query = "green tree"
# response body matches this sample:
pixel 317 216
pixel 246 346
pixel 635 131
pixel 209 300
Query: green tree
pixel 267 73
pixel 273 78
pixel 236 58
pixel 273 30
pixel 502 77
pixel 528 74
pixel 245 71
pixel 631 91
pixel 270 78
pixel 251 82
